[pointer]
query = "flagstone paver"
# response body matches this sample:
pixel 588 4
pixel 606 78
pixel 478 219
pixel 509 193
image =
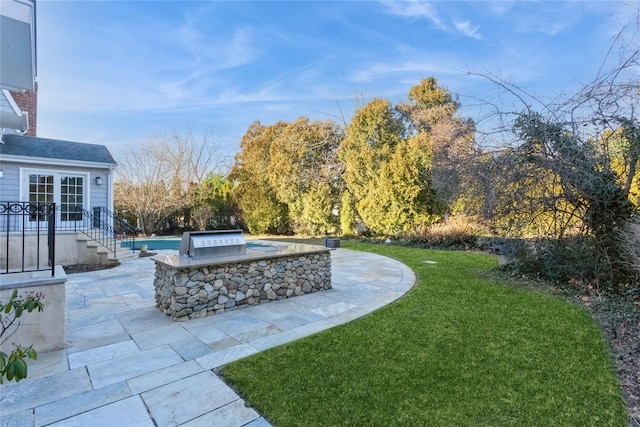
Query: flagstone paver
pixel 126 364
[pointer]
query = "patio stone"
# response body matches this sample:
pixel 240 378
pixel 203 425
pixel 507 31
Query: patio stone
pixel 164 376
pixel 257 334
pixel 271 341
pixel 143 319
pixel 79 403
pixel 161 335
pixel 260 422
pixel 103 353
pixel 96 330
pixel 333 309
pixel 241 325
pixel 126 412
pixel 190 348
pixel 19 419
pixel 31 393
pixel 187 399
pixel 208 334
pixel 49 363
pixel 222 357
pixel 230 415
pixel 132 365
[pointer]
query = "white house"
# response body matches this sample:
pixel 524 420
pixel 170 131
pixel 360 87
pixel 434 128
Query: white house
pixel 74 179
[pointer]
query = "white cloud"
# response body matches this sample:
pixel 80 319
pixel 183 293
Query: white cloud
pixel 469 31
pixel 380 70
pixel 415 9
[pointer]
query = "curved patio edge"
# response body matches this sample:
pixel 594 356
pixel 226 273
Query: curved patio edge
pixel 112 325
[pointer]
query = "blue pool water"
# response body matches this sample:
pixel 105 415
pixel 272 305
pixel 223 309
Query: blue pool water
pixel 169 243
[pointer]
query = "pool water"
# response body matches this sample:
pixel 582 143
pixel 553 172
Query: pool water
pixel 169 243
pixel 155 244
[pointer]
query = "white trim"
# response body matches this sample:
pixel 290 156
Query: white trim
pixel 24 192
pixel 12 102
pixel 19 10
pixel 110 191
pixel 56 162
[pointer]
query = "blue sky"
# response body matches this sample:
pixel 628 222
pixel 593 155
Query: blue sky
pixel 120 73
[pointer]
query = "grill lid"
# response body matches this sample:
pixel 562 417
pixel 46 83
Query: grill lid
pixel 215 243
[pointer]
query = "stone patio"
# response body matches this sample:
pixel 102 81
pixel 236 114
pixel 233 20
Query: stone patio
pixel 127 364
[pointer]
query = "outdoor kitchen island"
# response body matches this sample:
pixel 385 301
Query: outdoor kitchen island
pixel 189 287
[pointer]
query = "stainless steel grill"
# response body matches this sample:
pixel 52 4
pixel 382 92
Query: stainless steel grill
pixel 211 244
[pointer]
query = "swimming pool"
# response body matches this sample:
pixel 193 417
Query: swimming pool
pixel 155 244
pixel 161 243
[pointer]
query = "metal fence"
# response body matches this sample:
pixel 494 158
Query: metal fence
pixel 29 228
pixel 28 236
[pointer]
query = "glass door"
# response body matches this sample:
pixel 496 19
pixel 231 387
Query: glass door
pixel 41 190
pixel 67 191
pixel 71 199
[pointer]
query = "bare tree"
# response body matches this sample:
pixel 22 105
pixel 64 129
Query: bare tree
pixel 579 154
pixel 154 180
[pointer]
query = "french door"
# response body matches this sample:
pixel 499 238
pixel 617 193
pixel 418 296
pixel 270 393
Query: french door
pixel 67 191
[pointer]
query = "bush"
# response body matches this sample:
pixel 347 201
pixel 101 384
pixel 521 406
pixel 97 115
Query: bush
pixel 629 241
pixel 456 232
pixel 13 366
pixel 575 261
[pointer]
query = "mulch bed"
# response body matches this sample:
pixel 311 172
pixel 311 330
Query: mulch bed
pixel 84 268
pixel 620 322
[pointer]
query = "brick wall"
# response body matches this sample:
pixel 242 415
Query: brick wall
pixel 28 101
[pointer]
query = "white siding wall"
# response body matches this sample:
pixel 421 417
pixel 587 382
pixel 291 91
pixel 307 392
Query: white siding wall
pixel 10 183
pixel 99 195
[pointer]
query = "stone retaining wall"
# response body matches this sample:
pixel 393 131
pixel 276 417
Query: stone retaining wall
pixel 188 293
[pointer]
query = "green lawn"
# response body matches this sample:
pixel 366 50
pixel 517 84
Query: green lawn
pixel 457 350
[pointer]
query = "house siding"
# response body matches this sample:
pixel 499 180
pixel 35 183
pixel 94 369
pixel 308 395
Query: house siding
pixel 10 184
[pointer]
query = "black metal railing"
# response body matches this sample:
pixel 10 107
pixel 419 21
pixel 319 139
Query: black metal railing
pixel 100 225
pixel 120 225
pixel 25 225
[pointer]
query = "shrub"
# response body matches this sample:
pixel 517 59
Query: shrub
pixel 456 232
pixel 629 241
pixel 13 366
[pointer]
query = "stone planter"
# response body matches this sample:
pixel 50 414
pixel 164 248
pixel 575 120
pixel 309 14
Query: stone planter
pixel 44 330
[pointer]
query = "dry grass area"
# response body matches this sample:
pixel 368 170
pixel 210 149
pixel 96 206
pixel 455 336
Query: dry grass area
pixel 306 240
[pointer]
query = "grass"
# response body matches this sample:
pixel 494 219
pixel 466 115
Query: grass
pixel 458 350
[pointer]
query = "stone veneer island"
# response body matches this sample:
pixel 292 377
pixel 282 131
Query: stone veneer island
pixel 188 288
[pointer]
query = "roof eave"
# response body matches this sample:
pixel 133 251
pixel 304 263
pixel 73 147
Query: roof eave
pixel 57 162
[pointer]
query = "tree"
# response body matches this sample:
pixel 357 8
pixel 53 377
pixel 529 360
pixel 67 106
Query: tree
pixel 449 140
pixel 369 141
pixel 261 210
pixel 347 215
pixel 583 154
pixel 154 179
pixel 305 173
pixel 213 206
pixel 389 157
